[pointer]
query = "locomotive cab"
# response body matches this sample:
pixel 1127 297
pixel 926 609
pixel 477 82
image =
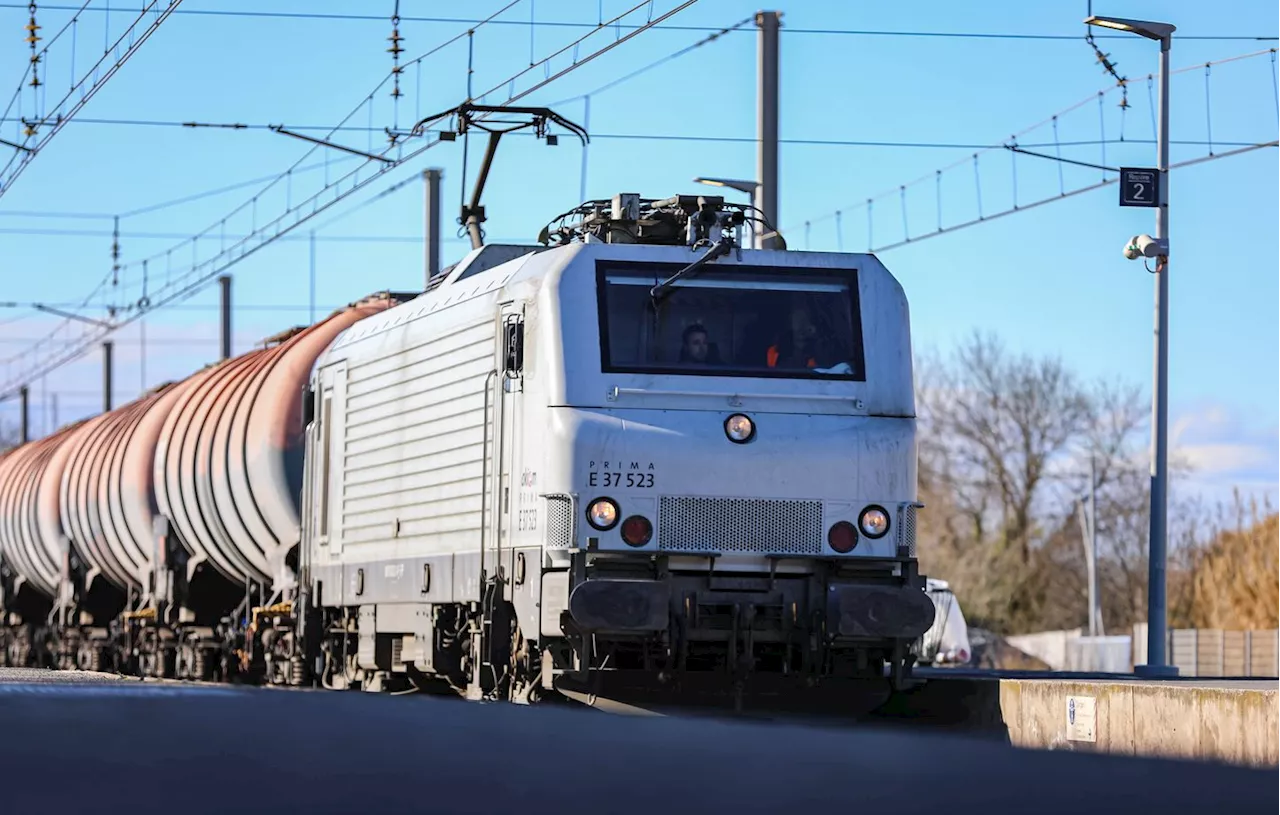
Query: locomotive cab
pixel 735 450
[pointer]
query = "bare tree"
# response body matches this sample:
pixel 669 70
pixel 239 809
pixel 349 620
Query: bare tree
pixel 1006 446
pixel 994 424
pixel 997 421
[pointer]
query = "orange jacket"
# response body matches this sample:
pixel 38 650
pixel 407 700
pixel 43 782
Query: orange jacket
pixel 773 358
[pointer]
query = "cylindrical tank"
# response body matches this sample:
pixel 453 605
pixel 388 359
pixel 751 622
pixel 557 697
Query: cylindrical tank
pixel 228 462
pixel 31 533
pixel 107 499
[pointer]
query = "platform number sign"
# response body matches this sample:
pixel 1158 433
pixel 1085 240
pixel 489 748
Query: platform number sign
pixel 1139 187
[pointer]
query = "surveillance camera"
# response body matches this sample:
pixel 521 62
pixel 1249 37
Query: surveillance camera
pixel 1145 246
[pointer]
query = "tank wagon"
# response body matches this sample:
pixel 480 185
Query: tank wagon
pixel 138 539
pixel 635 455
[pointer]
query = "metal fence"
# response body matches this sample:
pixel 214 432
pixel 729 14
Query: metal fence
pixel 1214 652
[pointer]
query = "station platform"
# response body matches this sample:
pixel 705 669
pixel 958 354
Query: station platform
pixel 1233 721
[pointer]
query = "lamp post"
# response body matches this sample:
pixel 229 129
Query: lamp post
pixel 752 188
pixel 1156 602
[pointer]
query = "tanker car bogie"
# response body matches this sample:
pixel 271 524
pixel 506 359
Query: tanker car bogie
pixel 635 459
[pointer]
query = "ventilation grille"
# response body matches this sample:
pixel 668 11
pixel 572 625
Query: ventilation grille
pixel 740 525
pixel 559 522
pixel 907 529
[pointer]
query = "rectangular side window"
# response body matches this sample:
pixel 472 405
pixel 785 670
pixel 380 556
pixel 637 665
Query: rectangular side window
pixel 326 415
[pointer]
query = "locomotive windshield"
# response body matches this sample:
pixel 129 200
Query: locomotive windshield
pixel 762 322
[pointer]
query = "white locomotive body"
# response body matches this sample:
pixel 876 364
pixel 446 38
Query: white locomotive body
pixel 594 463
pixel 641 459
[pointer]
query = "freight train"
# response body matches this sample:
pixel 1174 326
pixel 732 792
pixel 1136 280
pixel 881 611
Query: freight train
pixel 635 454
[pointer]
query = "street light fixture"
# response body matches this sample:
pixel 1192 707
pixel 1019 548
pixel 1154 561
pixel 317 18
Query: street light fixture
pixel 1143 28
pixel 752 188
pixel 1157 617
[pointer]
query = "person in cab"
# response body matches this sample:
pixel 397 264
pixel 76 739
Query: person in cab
pixel 798 346
pixel 696 347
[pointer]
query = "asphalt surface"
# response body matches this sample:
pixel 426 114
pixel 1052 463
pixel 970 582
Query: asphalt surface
pixel 37 676
pixel 106 744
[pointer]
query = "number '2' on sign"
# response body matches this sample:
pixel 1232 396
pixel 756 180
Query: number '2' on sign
pixel 1139 187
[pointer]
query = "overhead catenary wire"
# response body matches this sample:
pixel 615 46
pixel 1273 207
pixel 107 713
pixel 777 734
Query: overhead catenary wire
pixel 354 17
pixel 695 137
pixel 48 122
pixel 287 174
pixel 185 286
pixel 1090 188
pixel 1052 120
pixel 169 236
pixel 715 35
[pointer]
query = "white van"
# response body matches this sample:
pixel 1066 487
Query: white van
pixel 946 643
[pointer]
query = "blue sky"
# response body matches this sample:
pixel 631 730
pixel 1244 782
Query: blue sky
pixel 1050 280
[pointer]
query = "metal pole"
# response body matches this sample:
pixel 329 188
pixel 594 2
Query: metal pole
pixel 53 408
pixel 106 376
pixel 25 421
pixel 1157 620
pixel 767 120
pixel 1090 565
pixel 312 301
pixel 224 283
pixel 586 125
pixel 1095 602
pixel 432 176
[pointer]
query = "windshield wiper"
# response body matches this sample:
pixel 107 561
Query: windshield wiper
pixel 718 249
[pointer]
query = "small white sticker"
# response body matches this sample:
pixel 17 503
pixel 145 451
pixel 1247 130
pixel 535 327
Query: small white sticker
pixel 1082 719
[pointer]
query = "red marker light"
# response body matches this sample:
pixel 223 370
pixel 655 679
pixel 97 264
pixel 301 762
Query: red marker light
pixel 842 537
pixel 636 530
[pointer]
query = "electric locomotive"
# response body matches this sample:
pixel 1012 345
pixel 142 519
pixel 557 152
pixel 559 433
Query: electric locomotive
pixel 634 456
pixel 640 455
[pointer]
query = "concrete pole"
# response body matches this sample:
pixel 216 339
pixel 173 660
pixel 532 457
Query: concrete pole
pixel 767 120
pixel 25 421
pixel 106 376
pixel 1157 606
pixel 53 409
pixel 224 283
pixel 431 227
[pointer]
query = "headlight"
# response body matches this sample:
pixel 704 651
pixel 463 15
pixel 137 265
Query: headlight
pixel 739 428
pixel 874 522
pixel 602 514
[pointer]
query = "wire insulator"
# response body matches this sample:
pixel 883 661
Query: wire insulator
pixel 32 37
pixel 395 50
pixel 115 253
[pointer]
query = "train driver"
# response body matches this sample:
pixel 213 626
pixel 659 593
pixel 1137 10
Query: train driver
pixel 797 347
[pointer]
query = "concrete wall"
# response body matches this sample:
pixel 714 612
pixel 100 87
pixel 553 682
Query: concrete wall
pixel 1050 647
pixel 1099 655
pixel 1196 652
pixel 1234 723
